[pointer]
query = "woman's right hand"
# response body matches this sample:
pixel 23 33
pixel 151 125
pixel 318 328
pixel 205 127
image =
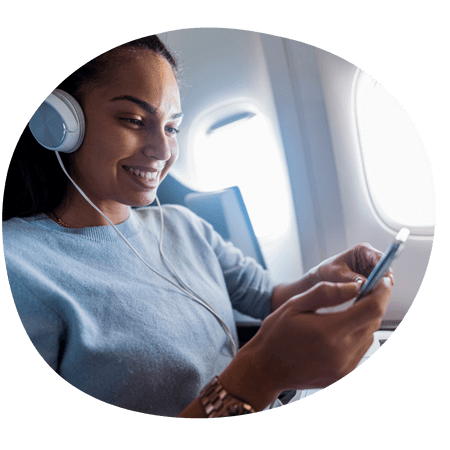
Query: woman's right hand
pixel 296 348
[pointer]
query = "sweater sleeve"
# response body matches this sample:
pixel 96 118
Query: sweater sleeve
pixel 43 326
pixel 249 286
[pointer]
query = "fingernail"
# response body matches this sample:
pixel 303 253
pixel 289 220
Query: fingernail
pixel 359 280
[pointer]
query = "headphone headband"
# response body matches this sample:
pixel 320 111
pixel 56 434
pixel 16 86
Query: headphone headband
pixel 58 124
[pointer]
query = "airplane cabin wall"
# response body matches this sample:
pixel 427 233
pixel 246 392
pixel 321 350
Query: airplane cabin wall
pixel 362 222
pixel 221 67
pixel 304 128
pixel 307 94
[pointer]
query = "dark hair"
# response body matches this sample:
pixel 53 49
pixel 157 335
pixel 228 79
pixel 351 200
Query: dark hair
pixel 35 182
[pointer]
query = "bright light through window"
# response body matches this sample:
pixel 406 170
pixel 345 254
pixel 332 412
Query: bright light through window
pixel 396 165
pixel 245 154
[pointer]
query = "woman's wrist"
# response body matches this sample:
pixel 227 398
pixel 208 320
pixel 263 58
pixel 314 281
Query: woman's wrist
pixel 247 379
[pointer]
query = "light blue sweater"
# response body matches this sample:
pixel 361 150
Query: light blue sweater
pixel 116 330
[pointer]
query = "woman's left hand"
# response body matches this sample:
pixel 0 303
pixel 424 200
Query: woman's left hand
pixel 348 266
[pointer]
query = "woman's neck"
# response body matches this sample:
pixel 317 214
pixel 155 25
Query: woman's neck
pixel 76 212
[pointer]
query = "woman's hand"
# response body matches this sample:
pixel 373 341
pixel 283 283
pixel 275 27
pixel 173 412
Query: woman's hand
pixel 349 266
pixel 296 348
pixel 358 262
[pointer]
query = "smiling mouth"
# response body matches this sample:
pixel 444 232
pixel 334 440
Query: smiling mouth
pixel 150 176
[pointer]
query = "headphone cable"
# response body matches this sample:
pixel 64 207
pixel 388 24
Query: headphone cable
pixel 182 287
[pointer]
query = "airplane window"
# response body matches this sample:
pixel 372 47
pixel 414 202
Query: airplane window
pixel 247 155
pixel 397 169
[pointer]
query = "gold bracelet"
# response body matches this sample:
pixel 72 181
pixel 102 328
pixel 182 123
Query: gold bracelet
pixel 217 402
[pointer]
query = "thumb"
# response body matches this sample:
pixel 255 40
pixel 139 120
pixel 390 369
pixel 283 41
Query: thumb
pixel 351 277
pixel 326 294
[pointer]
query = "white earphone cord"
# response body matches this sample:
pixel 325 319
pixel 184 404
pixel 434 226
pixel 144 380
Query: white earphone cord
pixel 183 288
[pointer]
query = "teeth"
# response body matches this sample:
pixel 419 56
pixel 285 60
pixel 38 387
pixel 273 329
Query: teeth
pixel 141 174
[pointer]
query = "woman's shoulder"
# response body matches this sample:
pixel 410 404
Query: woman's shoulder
pixel 16 227
pixel 22 244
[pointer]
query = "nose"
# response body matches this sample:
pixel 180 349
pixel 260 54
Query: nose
pixel 157 146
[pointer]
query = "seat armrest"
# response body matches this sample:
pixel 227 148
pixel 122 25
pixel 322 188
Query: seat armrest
pixel 246 331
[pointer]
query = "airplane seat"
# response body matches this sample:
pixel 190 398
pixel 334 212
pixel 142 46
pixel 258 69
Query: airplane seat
pixel 225 210
pixel 172 192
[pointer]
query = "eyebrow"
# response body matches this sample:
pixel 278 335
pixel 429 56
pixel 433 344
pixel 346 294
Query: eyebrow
pixel 144 105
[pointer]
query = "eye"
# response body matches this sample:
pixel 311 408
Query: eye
pixel 133 121
pixel 172 130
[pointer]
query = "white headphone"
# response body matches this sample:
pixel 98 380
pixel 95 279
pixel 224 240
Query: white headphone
pixel 59 125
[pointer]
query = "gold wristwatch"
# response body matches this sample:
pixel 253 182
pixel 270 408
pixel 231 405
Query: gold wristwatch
pixel 217 402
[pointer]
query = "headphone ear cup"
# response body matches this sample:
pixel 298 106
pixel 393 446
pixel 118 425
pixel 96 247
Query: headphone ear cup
pixel 58 124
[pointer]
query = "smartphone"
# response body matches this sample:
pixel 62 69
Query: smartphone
pixel 384 263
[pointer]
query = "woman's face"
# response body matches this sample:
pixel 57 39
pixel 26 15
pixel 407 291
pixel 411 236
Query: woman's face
pixel 131 134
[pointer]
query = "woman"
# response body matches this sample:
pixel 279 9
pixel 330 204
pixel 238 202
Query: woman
pixel 135 337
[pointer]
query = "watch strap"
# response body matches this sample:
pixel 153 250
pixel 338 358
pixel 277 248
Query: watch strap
pixel 217 402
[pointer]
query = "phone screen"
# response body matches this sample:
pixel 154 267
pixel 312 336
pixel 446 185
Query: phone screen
pixel 384 264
